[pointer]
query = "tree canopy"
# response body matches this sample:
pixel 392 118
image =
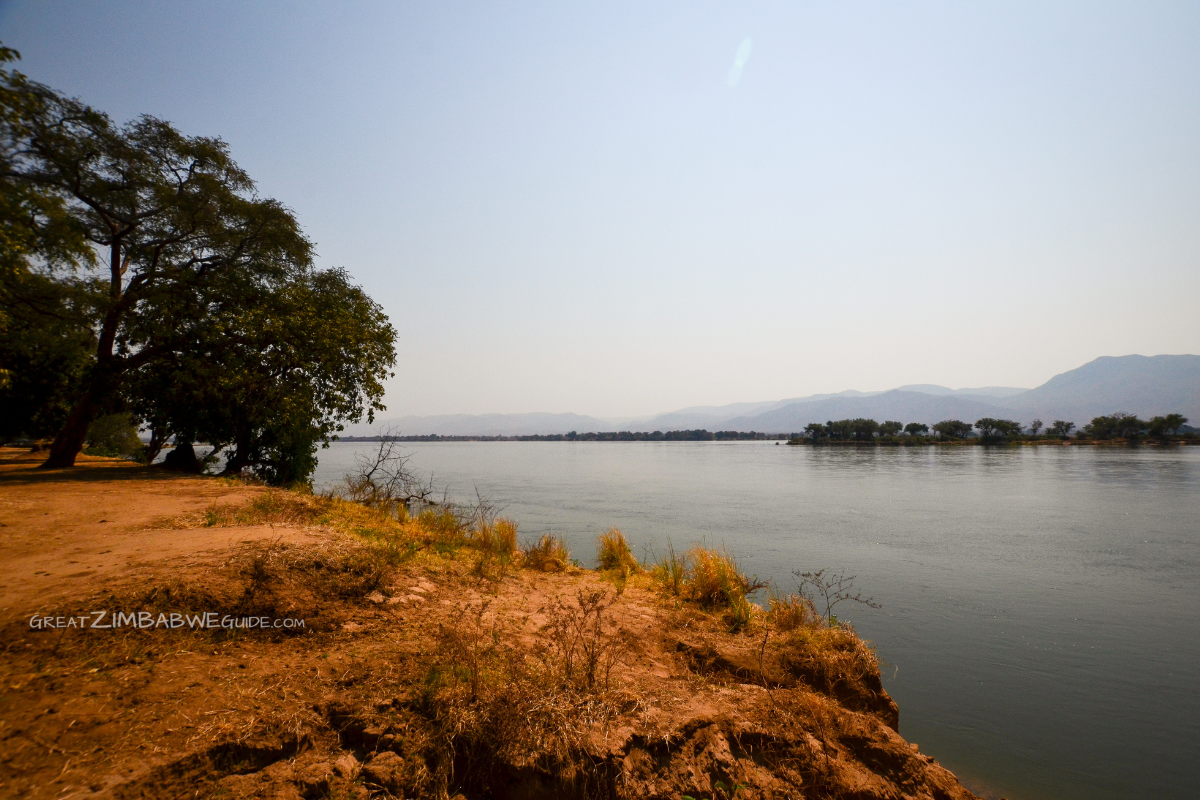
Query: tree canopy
pixel 952 428
pixel 168 287
pixel 990 428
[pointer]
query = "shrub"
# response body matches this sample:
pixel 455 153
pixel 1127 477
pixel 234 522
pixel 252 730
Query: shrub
pixel 442 529
pixel 614 552
pixel 833 661
pixel 787 613
pixel 715 580
pixel 550 554
pixel 496 542
pixel 115 436
pixel 672 571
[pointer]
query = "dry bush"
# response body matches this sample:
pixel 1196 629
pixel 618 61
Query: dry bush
pixel 613 553
pixel 496 542
pixel 550 554
pixel 786 613
pixel 832 660
pixel 495 705
pixel 583 647
pixel 714 579
pixel 383 481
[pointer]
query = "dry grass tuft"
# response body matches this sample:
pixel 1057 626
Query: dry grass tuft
pixel 832 660
pixel 714 579
pixel 710 578
pixel 550 554
pixel 671 572
pixel 786 613
pixel 614 553
pixel 496 541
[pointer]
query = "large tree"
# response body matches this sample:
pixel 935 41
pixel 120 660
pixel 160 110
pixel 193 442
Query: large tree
pixel 200 280
pixel 46 337
pixel 286 367
pixel 952 428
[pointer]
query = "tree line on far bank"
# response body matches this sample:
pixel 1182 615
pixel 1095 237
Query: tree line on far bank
pixel 146 286
pixel 861 430
pixel 1115 426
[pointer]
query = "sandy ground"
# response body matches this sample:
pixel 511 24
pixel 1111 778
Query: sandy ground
pixel 66 532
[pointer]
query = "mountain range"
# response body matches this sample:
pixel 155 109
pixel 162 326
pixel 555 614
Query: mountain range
pixel 1142 385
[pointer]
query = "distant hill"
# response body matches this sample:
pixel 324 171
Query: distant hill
pixel 897 405
pixel 1142 385
pixel 714 417
pixel 984 391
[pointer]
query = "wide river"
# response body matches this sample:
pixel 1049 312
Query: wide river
pixel 1041 605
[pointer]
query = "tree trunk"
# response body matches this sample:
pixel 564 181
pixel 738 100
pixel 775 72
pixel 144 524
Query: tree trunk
pixel 154 447
pixel 70 439
pixel 240 458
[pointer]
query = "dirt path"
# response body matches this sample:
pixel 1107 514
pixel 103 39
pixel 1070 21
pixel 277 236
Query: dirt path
pixel 63 533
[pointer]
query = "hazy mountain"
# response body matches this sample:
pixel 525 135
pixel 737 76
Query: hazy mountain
pixel 984 391
pixel 714 417
pixel 896 404
pixel 1142 385
pixel 483 425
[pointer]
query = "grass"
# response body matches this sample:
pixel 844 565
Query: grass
pixel 549 554
pixel 613 553
pixel 710 578
pixel 496 543
pixel 786 613
pixel 832 660
pixel 671 571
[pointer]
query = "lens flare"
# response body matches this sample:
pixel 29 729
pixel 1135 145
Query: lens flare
pixel 739 61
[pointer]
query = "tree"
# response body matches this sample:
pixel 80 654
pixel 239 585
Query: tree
pixel 916 429
pixel 863 429
pixel 991 428
pixel 1165 425
pixel 1119 425
pixel 46 350
pixel 283 369
pixel 204 315
pixel 46 336
pixel 952 428
pixel 815 431
pixel 841 430
pixel 1035 426
pixel 178 225
pixel 890 428
pixel 1060 428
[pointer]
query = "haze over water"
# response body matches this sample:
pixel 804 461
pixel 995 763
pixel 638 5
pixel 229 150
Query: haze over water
pixel 1041 620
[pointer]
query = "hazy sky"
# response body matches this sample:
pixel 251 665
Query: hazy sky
pixel 628 208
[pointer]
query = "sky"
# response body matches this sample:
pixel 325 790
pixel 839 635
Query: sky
pixel 620 209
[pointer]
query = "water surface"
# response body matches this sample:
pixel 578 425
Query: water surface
pixel 1041 606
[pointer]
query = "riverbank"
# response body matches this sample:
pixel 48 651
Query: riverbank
pixel 429 663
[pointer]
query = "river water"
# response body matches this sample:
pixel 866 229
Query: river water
pixel 1041 605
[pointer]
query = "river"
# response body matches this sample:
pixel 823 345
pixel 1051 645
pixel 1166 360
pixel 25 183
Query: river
pixel 1040 619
